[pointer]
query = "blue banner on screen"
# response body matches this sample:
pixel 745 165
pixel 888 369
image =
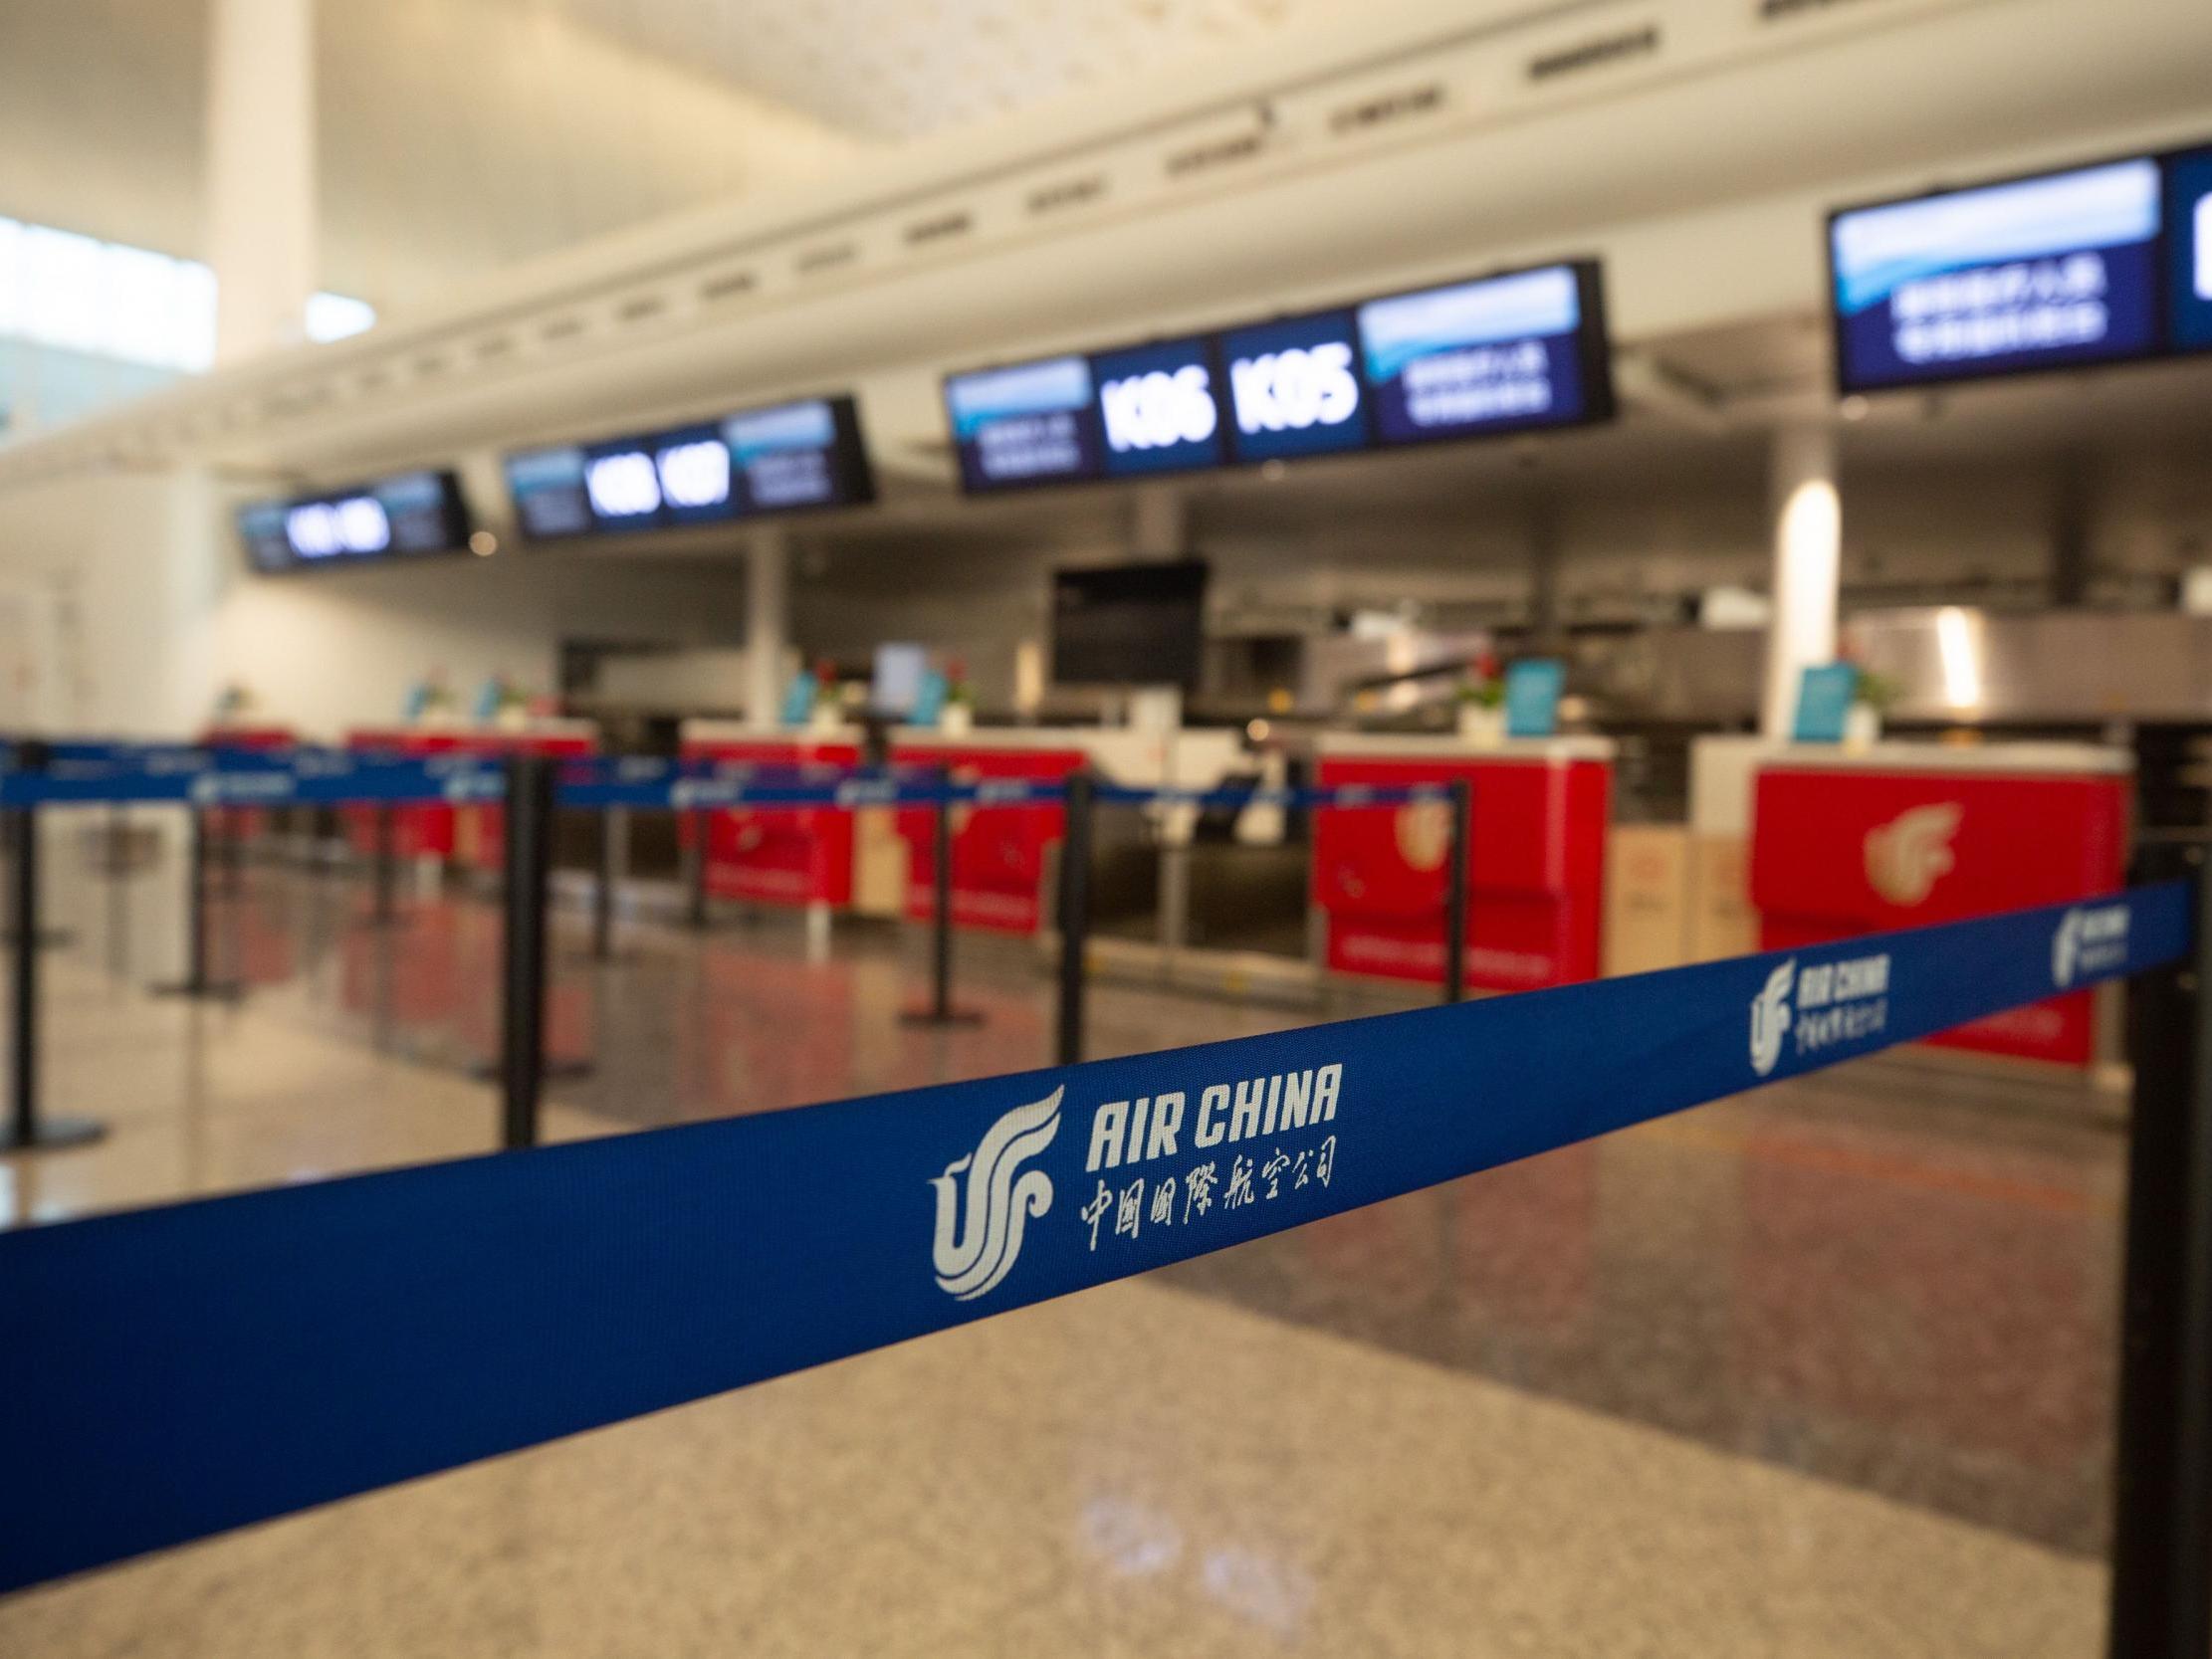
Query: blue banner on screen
pixel 2044 271
pixel 1032 423
pixel 1157 409
pixel 2189 238
pixel 790 458
pixel 203 1365
pixel 1295 387
pixel 1480 357
pixel 408 514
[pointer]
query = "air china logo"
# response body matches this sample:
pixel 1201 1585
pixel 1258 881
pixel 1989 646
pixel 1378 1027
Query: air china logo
pixel 1816 1007
pixel 1770 1017
pixel 1907 856
pixel 980 1225
pixel 1423 833
pixel 2091 938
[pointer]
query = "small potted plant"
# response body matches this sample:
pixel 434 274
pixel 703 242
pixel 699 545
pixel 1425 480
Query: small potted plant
pixel 1482 703
pixel 828 712
pixel 959 717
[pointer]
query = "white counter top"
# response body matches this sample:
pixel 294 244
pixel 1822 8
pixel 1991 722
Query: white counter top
pixel 2037 759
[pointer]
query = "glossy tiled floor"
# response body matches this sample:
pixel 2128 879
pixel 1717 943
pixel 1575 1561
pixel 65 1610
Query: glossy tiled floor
pixel 1823 1369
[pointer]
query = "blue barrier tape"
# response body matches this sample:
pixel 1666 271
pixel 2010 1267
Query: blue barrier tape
pixel 853 789
pixel 178 1371
pixel 312 780
pixel 1233 799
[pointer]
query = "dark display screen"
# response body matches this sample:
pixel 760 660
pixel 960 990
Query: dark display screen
pixel 408 514
pixel 1129 624
pixel 790 458
pixel 1503 353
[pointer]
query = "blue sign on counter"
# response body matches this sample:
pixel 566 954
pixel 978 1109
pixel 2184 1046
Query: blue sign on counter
pixel 1825 694
pixel 1532 691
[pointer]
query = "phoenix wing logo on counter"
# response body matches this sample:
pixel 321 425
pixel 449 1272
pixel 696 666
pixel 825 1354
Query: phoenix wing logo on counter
pixel 1909 854
pixel 1770 1017
pixel 980 1225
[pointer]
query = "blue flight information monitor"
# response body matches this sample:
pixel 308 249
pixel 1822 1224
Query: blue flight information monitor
pixel 1295 387
pixel 789 458
pixel 1501 354
pixel 1028 423
pixel 1497 355
pixel 2059 270
pixel 404 515
pixel 1157 408
pixel 2189 238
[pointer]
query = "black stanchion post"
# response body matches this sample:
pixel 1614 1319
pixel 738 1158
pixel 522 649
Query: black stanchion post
pixel 1456 892
pixel 1075 913
pixel 702 822
pixel 197 980
pixel 941 1010
pixel 384 875
pixel 602 892
pixel 2161 1581
pixel 529 877
pixel 27 1131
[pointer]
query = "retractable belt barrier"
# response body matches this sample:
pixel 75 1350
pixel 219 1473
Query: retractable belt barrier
pixel 300 779
pixel 181 1370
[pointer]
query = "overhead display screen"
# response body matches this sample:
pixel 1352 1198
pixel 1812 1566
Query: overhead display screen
pixel 1157 408
pixel 1295 387
pixel 2189 264
pixel 410 514
pixel 1489 356
pixel 1502 354
pixel 1032 423
pixel 2043 271
pixel 790 458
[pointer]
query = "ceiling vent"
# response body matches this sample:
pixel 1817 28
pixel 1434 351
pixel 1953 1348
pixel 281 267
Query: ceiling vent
pixel 731 285
pixel 1787 11
pixel 1215 153
pixel 1371 113
pixel 1597 52
pixel 817 260
pixel 942 227
pixel 639 309
pixel 1051 198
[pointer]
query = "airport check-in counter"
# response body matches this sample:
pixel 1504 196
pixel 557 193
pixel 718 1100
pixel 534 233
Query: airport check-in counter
pixel 474 835
pixel 883 862
pixel 1536 865
pixel 802 855
pixel 1848 841
pixel 1002 854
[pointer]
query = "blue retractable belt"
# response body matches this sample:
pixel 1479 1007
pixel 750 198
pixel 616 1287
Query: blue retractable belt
pixel 180 1371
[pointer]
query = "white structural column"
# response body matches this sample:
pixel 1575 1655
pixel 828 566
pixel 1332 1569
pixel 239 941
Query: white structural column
pixel 1807 566
pixel 768 622
pixel 261 230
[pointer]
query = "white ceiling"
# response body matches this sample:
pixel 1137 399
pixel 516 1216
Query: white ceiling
pixel 460 136
pixel 897 69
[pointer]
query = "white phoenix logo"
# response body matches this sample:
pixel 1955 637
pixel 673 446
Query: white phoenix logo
pixel 979 1232
pixel 1770 1017
pixel 1906 856
pixel 2066 949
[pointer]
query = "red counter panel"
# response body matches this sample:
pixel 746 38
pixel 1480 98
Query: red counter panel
pixel 783 855
pixel 1839 851
pixel 999 852
pixel 1536 871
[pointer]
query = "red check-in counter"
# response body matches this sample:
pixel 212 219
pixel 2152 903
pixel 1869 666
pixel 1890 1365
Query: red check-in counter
pixel 1536 870
pixel 472 835
pixel 774 855
pixel 1001 853
pixel 1901 835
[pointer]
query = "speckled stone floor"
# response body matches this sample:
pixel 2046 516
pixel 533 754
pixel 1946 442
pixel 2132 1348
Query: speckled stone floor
pixel 1823 1369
